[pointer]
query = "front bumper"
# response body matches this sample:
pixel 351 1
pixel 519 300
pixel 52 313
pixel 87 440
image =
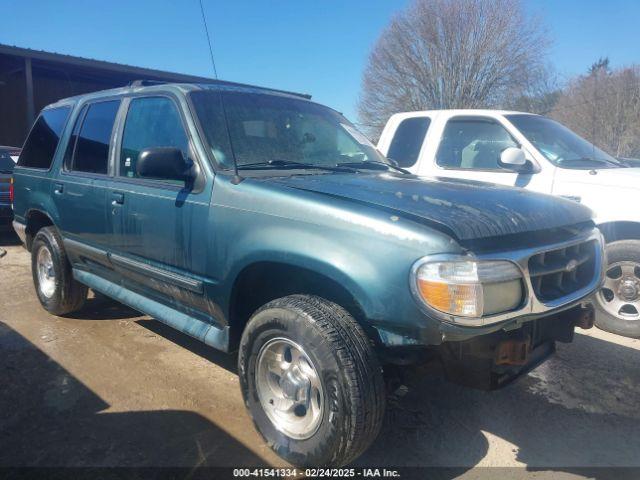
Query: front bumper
pixel 493 361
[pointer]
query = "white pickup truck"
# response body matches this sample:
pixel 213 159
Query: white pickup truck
pixel 537 153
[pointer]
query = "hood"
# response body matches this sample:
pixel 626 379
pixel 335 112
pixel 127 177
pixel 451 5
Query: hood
pixel 469 210
pixel 605 177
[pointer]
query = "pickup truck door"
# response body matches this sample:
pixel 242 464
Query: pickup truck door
pixel 469 147
pixel 160 227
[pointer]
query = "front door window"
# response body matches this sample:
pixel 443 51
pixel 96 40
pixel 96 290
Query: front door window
pixel 473 144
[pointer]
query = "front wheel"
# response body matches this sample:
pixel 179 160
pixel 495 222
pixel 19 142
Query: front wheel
pixel 311 381
pixel 618 302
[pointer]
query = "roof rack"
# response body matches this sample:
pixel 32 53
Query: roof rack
pixel 148 82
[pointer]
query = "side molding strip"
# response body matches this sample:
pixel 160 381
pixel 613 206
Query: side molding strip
pixel 160 274
pixel 217 337
pixel 114 260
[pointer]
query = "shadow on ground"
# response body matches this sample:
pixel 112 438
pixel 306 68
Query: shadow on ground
pixel 99 307
pixel 49 418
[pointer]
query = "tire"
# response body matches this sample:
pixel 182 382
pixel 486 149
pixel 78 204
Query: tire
pixel 627 253
pixel 58 292
pixel 352 393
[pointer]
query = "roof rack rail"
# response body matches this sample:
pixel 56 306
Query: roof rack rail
pixel 147 82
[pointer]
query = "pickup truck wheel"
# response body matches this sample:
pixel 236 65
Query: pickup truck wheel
pixel 58 292
pixel 311 381
pixel 618 302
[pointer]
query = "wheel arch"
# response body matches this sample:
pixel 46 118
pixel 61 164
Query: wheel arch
pixel 262 281
pixel 620 230
pixel 35 220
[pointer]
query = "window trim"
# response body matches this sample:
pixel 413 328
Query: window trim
pixel 70 107
pixel 200 180
pixel 487 119
pixel 83 109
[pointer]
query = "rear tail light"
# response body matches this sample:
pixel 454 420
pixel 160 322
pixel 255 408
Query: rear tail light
pixel 11 194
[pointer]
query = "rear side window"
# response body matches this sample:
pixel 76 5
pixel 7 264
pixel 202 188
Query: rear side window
pixel 43 139
pixel 151 122
pixel 407 141
pixel 88 149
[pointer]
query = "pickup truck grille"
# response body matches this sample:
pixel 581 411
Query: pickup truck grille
pixel 557 273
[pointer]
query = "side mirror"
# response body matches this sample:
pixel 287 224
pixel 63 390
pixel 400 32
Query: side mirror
pixel 165 163
pixel 513 158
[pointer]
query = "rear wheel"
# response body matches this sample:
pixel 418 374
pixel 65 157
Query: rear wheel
pixel 618 302
pixel 311 381
pixel 58 292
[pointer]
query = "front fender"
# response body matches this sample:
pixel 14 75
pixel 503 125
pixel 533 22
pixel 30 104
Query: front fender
pixel 373 272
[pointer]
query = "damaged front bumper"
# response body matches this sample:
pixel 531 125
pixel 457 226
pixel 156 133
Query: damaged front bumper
pixel 492 361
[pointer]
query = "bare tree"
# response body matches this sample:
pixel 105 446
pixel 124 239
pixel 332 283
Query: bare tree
pixel 451 54
pixel 540 96
pixel 604 107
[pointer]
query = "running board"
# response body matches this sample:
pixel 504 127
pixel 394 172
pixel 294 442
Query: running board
pixel 210 334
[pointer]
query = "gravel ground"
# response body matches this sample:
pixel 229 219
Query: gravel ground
pixel 111 387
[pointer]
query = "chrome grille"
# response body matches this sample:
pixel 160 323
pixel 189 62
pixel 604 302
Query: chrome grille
pixel 559 273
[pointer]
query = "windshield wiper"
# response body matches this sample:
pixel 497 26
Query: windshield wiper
pixel 374 165
pixel 286 164
pixel 597 160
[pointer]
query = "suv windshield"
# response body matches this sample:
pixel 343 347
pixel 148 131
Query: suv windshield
pixel 278 131
pixel 6 163
pixel 561 146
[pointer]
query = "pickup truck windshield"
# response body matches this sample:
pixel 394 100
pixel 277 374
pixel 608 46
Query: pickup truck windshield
pixel 278 132
pixel 561 146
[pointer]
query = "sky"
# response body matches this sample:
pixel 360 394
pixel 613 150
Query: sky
pixel 312 46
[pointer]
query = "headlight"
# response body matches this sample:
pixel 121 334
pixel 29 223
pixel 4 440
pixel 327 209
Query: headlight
pixel 467 287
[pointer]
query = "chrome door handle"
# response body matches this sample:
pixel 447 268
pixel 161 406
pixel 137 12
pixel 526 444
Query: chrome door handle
pixel 117 198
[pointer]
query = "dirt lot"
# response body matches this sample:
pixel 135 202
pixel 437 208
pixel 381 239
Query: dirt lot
pixel 111 387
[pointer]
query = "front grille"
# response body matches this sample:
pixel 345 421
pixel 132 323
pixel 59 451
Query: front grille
pixel 559 273
pixel 4 197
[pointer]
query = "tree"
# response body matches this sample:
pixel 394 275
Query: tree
pixel 451 54
pixel 604 107
pixel 601 65
pixel 540 96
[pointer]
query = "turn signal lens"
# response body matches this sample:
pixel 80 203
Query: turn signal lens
pixel 11 191
pixel 465 288
pixel 462 300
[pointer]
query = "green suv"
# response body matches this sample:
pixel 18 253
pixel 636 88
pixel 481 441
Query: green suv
pixel 261 222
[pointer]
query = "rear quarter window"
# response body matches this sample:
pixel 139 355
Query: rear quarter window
pixel 407 141
pixel 43 139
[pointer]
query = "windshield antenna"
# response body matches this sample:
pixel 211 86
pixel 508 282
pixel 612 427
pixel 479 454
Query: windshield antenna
pixel 206 30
